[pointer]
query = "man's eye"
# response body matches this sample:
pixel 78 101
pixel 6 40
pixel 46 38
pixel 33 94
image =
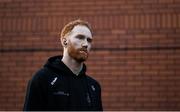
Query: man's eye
pixel 89 40
pixel 80 37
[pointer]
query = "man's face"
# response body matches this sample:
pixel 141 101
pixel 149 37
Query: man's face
pixel 79 43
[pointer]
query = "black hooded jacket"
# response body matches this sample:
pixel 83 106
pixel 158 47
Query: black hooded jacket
pixel 55 87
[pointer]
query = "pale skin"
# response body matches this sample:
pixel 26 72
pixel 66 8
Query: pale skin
pixel 79 37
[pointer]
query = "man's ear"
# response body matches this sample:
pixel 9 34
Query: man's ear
pixel 64 42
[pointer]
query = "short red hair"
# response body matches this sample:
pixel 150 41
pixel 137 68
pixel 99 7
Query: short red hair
pixel 69 27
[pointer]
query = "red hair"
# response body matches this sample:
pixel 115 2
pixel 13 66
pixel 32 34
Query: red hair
pixel 69 27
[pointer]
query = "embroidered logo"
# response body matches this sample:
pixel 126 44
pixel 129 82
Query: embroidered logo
pixel 93 88
pixel 54 80
pixel 61 93
pixel 88 99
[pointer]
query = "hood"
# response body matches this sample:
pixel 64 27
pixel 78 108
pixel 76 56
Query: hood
pixel 54 63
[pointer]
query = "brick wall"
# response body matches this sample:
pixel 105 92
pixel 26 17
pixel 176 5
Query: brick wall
pixel 135 55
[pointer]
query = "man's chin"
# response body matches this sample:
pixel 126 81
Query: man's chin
pixel 81 59
pixel 78 55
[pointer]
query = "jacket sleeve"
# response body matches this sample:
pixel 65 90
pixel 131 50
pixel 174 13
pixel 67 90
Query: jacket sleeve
pixel 35 99
pixel 100 107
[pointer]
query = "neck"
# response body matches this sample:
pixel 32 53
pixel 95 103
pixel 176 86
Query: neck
pixel 72 64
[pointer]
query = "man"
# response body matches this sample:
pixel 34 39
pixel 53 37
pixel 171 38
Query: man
pixel 62 84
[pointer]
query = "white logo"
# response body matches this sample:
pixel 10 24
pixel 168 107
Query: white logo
pixel 54 80
pixel 61 93
pixel 93 88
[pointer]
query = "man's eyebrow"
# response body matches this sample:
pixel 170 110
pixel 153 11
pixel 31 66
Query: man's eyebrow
pixel 83 36
pixel 80 36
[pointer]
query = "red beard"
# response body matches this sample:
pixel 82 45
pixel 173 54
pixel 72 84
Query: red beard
pixel 80 55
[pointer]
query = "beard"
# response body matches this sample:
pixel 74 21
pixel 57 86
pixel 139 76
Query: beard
pixel 80 55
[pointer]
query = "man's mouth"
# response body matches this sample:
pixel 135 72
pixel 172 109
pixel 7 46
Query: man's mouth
pixel 83 52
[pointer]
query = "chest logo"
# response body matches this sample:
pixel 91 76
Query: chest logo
pixel 61 93
pixel 93 88
pixel 54 80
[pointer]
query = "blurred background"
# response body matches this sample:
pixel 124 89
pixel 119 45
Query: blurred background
pixel 135 54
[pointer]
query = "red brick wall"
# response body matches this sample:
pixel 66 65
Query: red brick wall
pixel 135 55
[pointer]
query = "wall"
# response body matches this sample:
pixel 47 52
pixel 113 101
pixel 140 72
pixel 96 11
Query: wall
pixel 135 55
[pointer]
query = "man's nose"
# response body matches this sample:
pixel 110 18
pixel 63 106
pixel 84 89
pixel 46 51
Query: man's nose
pixel 85 44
